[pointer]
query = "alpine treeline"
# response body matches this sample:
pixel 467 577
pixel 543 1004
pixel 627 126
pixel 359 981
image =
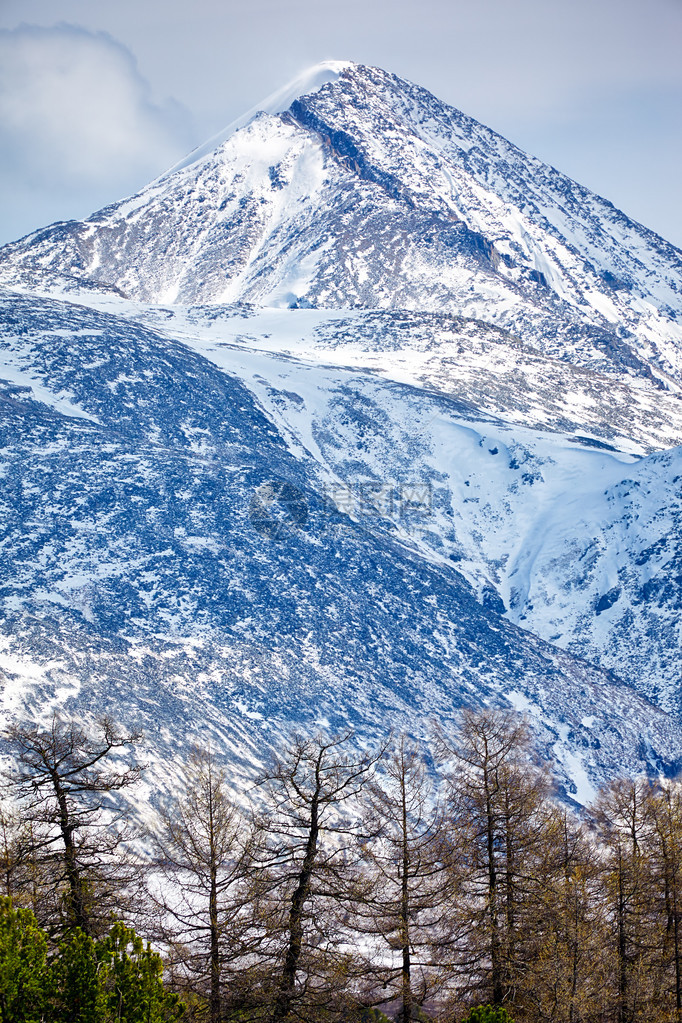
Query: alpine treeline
pixel 442 880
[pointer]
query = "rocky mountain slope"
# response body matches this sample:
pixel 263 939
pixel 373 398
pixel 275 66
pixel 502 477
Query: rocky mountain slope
pixel 356 415
pixel 174 554
pixel 568 535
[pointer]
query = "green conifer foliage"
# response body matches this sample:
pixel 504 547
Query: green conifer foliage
pixel 23 965
pixel 114 980
pixel 131 980
pixel 488 1014
pixel 76 995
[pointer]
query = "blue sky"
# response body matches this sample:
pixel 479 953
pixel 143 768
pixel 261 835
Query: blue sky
pixel 98 98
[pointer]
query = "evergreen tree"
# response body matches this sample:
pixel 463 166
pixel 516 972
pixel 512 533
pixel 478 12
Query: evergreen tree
pixel 116 979
pixel 488 1014
pixel 76 992
pixel 23 966
pixel 130 979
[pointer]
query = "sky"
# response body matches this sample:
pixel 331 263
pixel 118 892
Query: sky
pixel 98 98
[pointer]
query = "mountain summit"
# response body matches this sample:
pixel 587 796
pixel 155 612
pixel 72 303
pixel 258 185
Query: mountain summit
pixel 355 415
pixel 353 187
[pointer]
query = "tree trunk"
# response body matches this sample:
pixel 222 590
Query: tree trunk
pixel 510 905
pixel 76 897
pixel 623 1011
pixel 676 944
pixel 285 994
pixel 215 1007
pixel 495 964
pixel 405 911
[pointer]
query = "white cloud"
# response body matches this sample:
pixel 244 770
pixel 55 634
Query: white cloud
pixel 78 120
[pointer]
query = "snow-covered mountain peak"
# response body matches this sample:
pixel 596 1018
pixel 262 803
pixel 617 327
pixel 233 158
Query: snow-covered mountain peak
pixel 309 81
pixel 352 187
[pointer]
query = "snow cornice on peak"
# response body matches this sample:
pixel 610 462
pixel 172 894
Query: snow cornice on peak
pixel 308 82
